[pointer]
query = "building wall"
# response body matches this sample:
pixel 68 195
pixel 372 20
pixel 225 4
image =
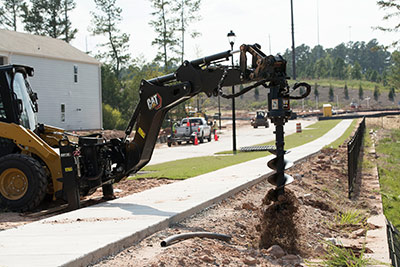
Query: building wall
pixel 54 81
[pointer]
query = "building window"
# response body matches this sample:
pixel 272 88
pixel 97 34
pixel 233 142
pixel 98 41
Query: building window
pixel 62 112
pixel 75 73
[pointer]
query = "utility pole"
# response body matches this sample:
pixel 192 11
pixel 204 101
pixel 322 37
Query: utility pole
pixel 349 34
pixel 293 47
pixel 269 41
pixel 219 112
pixel 318 22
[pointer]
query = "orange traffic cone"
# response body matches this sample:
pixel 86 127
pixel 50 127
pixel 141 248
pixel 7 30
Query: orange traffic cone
pixel 196 141
pixel 215 136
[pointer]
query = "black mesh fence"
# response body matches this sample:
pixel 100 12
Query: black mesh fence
pixel 394 243
pixel 353 152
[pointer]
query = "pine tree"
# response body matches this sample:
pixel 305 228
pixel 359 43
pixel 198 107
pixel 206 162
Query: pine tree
pixel 50 18
pixel 69 32
pixel 188 13
pixel 374 76
pixel 376 93
pixel 10 11
pixel 165 26
pixel 346 92
pixel 105 23
pixel 256 94
pixel 316 93
pixel 394 70
pixel 33 18
pixel 360 92
pixel 338 70
pixel 356 71
pixel 394 7
pixel 391 94
pixel 331 94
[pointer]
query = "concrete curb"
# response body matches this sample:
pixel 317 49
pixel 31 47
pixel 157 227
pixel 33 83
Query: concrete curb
pixel 377 239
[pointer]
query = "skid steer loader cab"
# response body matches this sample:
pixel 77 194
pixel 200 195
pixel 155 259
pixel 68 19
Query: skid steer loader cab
pixel 23 180
pixel 23 98
pixel 17 101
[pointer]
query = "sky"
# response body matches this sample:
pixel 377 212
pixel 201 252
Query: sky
pixel 266 22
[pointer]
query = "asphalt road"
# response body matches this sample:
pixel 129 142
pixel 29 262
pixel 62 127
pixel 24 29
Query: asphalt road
pixel 245 136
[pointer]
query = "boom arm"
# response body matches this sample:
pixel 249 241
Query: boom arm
pixel 159 95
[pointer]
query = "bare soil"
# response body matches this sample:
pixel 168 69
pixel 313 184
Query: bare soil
pixel 264 233
pixel 289 232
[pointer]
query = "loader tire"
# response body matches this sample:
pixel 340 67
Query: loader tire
pixel 23 183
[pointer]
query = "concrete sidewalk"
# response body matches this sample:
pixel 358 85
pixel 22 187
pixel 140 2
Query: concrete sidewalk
pixel 245 136
pixel 81 237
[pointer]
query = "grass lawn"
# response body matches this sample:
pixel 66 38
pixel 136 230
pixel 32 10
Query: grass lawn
pixel 351 84
pixel 191 167
pixel 347 133
pixel 388 150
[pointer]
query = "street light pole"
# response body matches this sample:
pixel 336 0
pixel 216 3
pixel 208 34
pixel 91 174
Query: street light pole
pixel 219 112
pixel 231 37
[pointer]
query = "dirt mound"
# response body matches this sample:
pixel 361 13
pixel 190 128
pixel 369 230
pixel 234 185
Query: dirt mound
pixel 278 221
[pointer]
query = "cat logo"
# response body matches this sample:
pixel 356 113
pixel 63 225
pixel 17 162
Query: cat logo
pixel 154 102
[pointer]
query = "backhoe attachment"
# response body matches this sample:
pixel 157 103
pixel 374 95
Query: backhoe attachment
pixel 208 75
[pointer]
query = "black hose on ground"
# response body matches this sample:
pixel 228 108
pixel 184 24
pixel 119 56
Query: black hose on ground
pixel 179 237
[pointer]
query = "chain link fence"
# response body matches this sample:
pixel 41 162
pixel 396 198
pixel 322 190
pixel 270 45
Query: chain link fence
pixel 353 153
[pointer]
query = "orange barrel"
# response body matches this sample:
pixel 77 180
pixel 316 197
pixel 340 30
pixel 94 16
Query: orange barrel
pixel 298 127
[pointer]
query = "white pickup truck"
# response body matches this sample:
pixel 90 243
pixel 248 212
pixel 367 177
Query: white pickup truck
pixel 188 128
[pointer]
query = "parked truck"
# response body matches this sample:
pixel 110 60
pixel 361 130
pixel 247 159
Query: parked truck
pixel 188 129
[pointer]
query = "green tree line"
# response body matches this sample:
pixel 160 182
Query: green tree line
pixel 172 21
pixel 354 60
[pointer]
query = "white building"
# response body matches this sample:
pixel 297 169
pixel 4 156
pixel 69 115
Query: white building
pixel 67 80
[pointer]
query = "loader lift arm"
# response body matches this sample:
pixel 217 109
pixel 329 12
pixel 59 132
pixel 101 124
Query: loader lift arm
pixel 159 95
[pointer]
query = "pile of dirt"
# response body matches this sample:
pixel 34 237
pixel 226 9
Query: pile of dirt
pixel 278 222
pixel 107 134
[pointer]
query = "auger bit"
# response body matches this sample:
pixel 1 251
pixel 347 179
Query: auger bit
pixel 279 112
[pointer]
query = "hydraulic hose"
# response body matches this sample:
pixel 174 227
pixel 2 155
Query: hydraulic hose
pixel 305 94
pixel 179 237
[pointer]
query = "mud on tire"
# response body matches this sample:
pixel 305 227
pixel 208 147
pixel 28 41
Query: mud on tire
pixel 23 182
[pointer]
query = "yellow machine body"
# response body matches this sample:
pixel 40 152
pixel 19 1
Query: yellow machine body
pixel 30 143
